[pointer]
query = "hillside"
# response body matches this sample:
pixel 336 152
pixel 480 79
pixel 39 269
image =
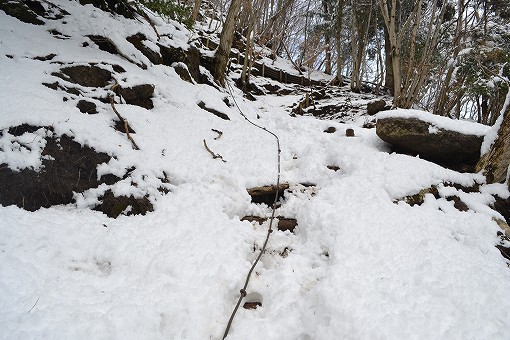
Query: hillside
pixel 108 237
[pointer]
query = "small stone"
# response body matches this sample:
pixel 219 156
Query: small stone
pixel 349 132
pixel 330 129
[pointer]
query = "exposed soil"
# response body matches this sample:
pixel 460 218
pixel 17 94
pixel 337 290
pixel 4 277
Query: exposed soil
pixel 70 167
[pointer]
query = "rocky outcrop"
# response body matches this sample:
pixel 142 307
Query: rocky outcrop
pixel 85 75
pixel 67 167
pixel 121 7
pixel 414 136
pixel 138 95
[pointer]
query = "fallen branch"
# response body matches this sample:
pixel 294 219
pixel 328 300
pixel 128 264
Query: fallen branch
pixel 34 305
pixel 219 134
pixel 126 124
pixel 214 155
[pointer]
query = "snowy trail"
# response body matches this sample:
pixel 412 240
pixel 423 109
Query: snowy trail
pixel 359 265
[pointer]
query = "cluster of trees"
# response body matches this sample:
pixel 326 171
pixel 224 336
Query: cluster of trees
pixel 450 57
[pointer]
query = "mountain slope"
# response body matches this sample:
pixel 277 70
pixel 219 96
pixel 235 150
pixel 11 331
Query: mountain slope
pixel 360 264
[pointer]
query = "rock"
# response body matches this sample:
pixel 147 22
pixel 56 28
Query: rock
pixel 448 148
pixel 252 305
pixel 330 129
pixel 69 167
pixel 502 205
pixel 266 194
pixel 85 75
pixel 349 132
pixel 193 62
pixel 182 70
pixel 192 58
pixel 171 54
pixel 117 7
pixel 104 44
pixel 137 41
pixel 375 106
pixel 26 11
pixel 138 95
pixel 87 107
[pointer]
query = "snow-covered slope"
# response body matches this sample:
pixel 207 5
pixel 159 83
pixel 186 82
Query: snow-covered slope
pixel 358 266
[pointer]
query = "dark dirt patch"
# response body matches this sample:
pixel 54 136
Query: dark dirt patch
pixel 284 223
pixel 458 203
pixel 21 129
pixel 113 206
pixel 121 127
pixel 118 68
pixel 418 199
pixel 46 57
pixel 72 168
pixel 87 107
pixel 57 86
pixel 58 35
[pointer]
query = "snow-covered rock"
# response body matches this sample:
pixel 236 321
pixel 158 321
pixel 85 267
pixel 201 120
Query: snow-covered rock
pixel 435 138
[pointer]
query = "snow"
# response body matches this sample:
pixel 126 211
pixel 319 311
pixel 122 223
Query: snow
pixel 438 122
pixel 361 264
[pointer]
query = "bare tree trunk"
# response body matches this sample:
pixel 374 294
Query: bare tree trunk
pixel 221 55
pixel 388 64
pixel 339 22
pixel 196 9
pixel 327 39
pixel 495 163
pixel 389 15
pixel 247 52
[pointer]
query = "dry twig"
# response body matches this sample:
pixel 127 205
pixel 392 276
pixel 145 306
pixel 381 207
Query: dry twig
pixel 219 134
pixel 126 124
pixel 214 155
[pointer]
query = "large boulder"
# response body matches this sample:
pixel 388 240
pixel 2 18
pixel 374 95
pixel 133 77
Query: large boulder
pixel 451 143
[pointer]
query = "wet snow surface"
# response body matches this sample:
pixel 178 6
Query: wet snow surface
pixel 358 265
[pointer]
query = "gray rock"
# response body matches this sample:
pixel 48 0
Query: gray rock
pixel 375 106
pixel 449 148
